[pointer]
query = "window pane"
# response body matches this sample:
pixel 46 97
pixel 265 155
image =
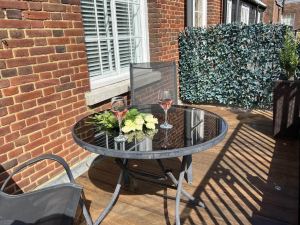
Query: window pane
pixel 112 34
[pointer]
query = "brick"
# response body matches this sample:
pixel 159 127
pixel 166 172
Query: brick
pixel 20 62
pixel 28 96
pixel 6 148
pixel 45 67
pixel 58 41
pixel 47 83
pixel 14 43
pixel 65 87
pixel 75 2
pixel 37 143
pixel 14 153
pixel 42 59
pixel 15 24
pixel 13 14
pixel 25 70
pixel 3 112
pixel 71 16
pixel 10 91
pixel 3 34
pixel 9 73
pixel 74 32
pixel 21 141
pixel 48 99
pixel 56 24
pixel 2 15
pixel 58 33
pixel 6 54
pixel 41 50
pixel 36 24
pixel 56 16
pixel 38 33
pixel 21 52
pixel 32 120
pixel 35 6
pixel 7 4
pixel 18 125
pixel 29 104
pixel 34 15
pixel 40 42
pixel 2 64
pixel 6 101
pixel 8 165
pixel 4 131
pixel 30 113
pixel 49 115
pixel 17 34
pixel 54 7
pixel 12 137
pixel 60 57
pixel 60 49
pixel 27 88
pixel 33 128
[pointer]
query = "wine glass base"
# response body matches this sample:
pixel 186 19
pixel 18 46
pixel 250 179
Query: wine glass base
pixel 120 138
pixel 166 126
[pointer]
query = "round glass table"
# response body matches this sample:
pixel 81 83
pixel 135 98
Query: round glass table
pixel 194 130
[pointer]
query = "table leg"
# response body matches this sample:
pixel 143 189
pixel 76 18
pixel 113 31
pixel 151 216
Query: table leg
pixel 113 198
pixel 180 190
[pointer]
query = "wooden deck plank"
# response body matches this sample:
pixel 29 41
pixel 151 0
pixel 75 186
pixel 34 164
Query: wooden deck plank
pixel 236 180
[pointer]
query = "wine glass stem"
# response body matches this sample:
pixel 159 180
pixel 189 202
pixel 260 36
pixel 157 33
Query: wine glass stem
pixel 166 116
pixel 120 126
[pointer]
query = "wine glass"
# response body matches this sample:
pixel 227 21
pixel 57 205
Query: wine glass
pixel 119 108
pixel 165 99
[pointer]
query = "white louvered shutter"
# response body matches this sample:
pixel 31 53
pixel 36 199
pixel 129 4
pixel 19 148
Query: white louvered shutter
pixel 112 35
pixel 245 14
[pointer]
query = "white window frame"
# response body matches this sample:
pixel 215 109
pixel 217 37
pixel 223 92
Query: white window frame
pixel 258 16
pixel 245 12
pixel 204 13
pixel 120 75
pixel 229 11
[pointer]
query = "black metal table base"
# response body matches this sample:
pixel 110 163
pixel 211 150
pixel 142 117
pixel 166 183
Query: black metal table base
pixel 126 173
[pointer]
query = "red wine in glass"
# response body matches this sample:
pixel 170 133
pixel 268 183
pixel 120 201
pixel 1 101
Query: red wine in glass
pixel 165 100
pixel 119 109
pixel 120 113
pixel 166 103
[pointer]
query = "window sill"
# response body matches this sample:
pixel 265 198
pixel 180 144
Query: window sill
pixel 103 93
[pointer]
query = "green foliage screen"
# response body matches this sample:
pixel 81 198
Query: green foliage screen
pixel 230 64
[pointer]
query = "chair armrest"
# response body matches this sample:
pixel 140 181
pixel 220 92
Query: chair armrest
pixel 38 159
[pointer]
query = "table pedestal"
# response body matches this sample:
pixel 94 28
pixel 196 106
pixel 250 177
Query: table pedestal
pixel 177 184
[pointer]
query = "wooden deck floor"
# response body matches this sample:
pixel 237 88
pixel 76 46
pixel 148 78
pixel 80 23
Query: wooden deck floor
pixel 249 178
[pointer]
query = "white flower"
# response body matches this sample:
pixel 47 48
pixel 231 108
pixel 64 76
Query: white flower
pixel 129 126
pixel 126 129
pixel 150 125
pixel 139 120
pixel 149 118
pixel 139 127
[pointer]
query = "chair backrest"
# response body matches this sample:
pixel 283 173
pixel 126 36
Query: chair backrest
pixel 146 79
pixel 55 205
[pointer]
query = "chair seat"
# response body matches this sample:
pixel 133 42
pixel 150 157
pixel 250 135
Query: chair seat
pixel 55 205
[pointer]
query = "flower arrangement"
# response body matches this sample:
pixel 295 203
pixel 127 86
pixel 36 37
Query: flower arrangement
pixel 135 123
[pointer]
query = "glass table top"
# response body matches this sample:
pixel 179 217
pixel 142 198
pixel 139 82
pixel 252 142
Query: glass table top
pixel 193 130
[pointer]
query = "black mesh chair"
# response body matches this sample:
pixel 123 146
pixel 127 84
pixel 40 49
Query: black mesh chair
pixel 146 79
pixel 56 205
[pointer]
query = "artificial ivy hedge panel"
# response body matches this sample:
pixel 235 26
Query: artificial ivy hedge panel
pixel 231 64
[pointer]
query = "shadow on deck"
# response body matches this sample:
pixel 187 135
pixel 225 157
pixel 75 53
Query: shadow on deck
pixel 249 178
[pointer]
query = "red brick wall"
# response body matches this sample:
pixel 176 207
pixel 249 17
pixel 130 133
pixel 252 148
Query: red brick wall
pixel 43 79
pixel 272 13
pixel 166 20
pixel 293 8
pixel 214 12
